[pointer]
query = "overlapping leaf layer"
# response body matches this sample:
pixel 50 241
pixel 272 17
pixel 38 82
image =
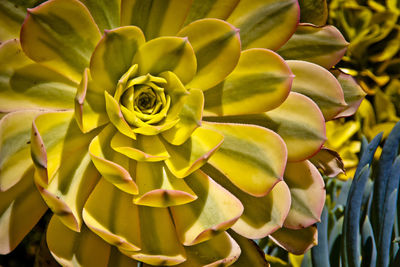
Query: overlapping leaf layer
pixel 166 132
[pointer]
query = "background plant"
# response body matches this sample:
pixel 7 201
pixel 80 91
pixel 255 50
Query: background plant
pixel 360 224
pixel 372 28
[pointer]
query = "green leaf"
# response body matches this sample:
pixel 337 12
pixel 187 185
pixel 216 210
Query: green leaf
pixel 112 165
pixel 189 118
pixel 304 132
pixel 251 254
pixel 353 93
pixel 60 40
pixel 221 250
pixel 260 82
pixel 76 249
pixel 113 56
pixel 324 46
pixel 106 13
pixel 369 252
pixel 69 175
pixel 117 259
pixel 253 158
pixel 156 18
pixel 145 148
pixel 158 187
pixel 296 241
pixel 262 215
pixel 116 117
pixel 28 85
pixel 307 81
pixel 90 106
pixel 110 213
pixel 320 253
pixel 12 14
pixel 219 9
pixel 214 211
pixel 173 54
pixel 160 245
pixel 266 24
pixel 351 227
pixel 21 207
pixel 217 48
pixel 15 156
pixel 194 153
pixel 307 190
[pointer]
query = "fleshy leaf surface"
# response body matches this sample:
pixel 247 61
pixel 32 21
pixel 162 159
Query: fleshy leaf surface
pixel 221 250
pixel 65 174
pixel 110 213
pixel 76 249
pixel 173 54
pixel 300 123
pixel 155 18
pixel 260 82
pixel 266 24
pixel 353 93
pixel 324 46
pixel 308 80
pixel 160 245
pixel 214 211
pixel 307 191
pixel 144 148
pixel 27 85
pixel 216 44
pixel 106 13
pixel 261 215
pixel 116 117
pixel 194 153
pixel 296 241
pixel 253 158
pixel 117 259
pixel 189 118
pixel 15 156
pixel 113 56
pixel 251 254
pixel 15 204
pixel 112 165
pixel 62 35
pixel 90 106
pixel 219 9
pixel 158 187
pixel 12 17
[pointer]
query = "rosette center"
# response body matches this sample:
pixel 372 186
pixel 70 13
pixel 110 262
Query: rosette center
pixel 142 99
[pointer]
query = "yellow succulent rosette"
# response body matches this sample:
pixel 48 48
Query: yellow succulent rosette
pixel 164 132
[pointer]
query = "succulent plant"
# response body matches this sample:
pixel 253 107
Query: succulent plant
pixel 360 221
pixel 359 224
pixel 174 138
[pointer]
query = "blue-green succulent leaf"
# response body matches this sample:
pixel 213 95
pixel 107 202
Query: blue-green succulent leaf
pixel 368 244
pixel 382 184
pixel 368 154
pixel 320 253
pixel 351 226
